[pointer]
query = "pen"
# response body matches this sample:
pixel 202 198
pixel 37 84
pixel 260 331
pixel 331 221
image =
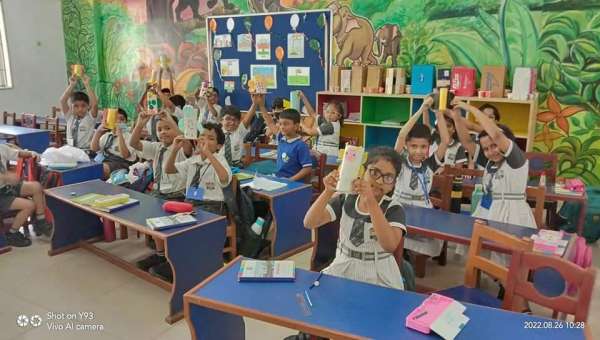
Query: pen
pixel 316 283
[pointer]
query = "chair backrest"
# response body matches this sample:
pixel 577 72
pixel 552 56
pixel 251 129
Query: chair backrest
pixel 459 171
pixel 9 118
pixel 441 189
pixel 28 120
pixel 538 196
pixel 55 111
pixel 259 146
pixel 540 162
pixel 476 263
pixel 319 173
pixel 518 285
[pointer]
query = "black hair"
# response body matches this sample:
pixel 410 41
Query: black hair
pixel 218 131
pixel 165 90
pixel 178 100
pixel 80 96
pixel 339 108
pixel 386 153
pixel 231 110
pixel 214 89
pixel 277 104
pixel 505 129
pixel 174 118
pixel 436 133
pixel 290 114
pixel 493 108
pixel 122 112
pixel 419 131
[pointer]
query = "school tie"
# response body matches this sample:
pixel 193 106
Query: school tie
pixel 228 156
pixel 75 131
pixel 159 170
pixel 414 177
pixel 153 124
pixel 109 142
pixel 357 234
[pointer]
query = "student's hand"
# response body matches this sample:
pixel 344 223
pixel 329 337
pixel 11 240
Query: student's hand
pixel 258 99
pixel 102 127
pixel 480 221
pixel 86 80
pixel 427 102
pixel 363 188
pixel 145 116
pixel 331 180
pixel 301 94
pixel 460 104
pixel 73 80
pixel 178 143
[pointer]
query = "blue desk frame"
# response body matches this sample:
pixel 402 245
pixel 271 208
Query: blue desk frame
pixel 342 309
pixel 81 173
pixel 194 252
pixel 288 206
pixel 31 139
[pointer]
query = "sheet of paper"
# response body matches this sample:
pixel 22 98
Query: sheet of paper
pixel 295 46
pixel 450 322
pixel 222 41
pixel 298 76
pixel 230 67
pixel 244 42
pixel 261 183
pixel 263 46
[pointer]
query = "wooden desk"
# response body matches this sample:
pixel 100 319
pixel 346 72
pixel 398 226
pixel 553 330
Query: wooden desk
pixel 30 139
pixel 194 252
pixel 342 309
pixel 81 173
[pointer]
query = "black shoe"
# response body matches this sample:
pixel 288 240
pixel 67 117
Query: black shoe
pixel 150 262
pixel 43 227
pixel 17 239
pixel 162 271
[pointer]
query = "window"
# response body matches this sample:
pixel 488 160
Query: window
pixel 5 79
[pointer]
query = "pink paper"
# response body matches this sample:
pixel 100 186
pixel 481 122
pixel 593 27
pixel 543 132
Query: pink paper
pixel 423 316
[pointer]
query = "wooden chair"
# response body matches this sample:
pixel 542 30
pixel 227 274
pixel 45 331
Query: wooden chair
pixel 538 196
pixel 28 120
pixel 441 196
pixel 9 118
pixel 318 174
pixel 519 285
pixel 57 134
pixel 476 264
pixel 467 190
pixel 231 231
pixel 540 162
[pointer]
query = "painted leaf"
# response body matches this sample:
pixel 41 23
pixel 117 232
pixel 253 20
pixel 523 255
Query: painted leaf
pixel 518 35
pixel 569 111
pixel 314 44
pixel 464 51
pixel 597 93
pixel 546 116
pixel 570 99
pixel 553 104
pixel 563 124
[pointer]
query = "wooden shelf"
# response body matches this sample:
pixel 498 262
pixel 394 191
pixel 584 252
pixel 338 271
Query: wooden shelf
pixel 364 94
pixel 497 100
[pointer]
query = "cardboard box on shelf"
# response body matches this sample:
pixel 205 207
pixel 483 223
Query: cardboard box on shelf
pixel 400 84
pixel 389 80
pixel 422 79
pixel 443 77
pixel 523 83
pixel 359 78
pixel 493 79
pixel 463 81
pixel 374 78
pixel 335 79
pixel 346 80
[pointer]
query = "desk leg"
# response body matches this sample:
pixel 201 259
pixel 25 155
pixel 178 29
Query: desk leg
pixel 288 217
pixel 581 221
pixel 208 323
pixel 194 255
pixel 71 225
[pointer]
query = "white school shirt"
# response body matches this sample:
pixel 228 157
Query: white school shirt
pixel 415 196
pixel 85 133
pixel 114 146
pixel 6 154
pixel 328 140
pixel 383 272
pixel 455 153
pixel 205 116
pixel 209 180
pixel 237 142
pixel 170 183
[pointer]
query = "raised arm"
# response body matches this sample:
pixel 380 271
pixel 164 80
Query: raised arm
pixel 123 149
pixel 463 132
pixel 317 215
pixel 171 83
pixel 265 114
pixel 95 144
pixel 309 130
pixel 401 140
pixel 64 99
pixel 444 135
pixel 247 118
pixel 136 135
pixel 309 108
pixel 488 125
pixel 91 95
pixel 170 167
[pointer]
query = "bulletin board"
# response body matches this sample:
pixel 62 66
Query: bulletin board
pixel 295 67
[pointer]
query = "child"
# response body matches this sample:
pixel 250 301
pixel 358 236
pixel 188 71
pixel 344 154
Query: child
pixel 258 127
pixel 80 113
pixel 235 131
pixel 209 110
pixel 13 197
pixel 166 186
pixel 371 223
pixel 112 147
pixel 415 178
pixel 455 153
pixel 505 175
pixel 327 128
pixel 207 169
pixel 293 155
pixel 464 129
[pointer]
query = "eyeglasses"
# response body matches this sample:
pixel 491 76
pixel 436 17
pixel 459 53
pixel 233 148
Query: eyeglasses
pixel 376 174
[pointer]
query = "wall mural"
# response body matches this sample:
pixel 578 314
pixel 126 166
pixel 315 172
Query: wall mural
pixel 120 42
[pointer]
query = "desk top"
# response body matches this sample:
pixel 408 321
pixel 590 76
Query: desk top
pixel 551 192
pixel 291 185
pixel 331 160
pixel 132 216
pixel 80 165
pixel 18 130
pixel 356 310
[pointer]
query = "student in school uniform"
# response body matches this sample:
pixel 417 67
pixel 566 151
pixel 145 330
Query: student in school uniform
pixel 327 128
pixel 235 128
pixel 293 155
pixel 166 186
pixel 209 109
pixel 112 147
pixel 465 130
pixel 505 174
pixel 14 196
pixel 80 111
pixel 455 152
pixel 372 224
pixel 415 179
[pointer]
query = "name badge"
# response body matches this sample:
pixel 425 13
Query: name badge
pixel 99 158
pixel 486 201
pixel 194 193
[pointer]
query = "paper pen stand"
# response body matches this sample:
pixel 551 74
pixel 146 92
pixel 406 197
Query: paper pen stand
pixel 352 160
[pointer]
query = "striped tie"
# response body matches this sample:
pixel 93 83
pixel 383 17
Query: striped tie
pixel 228 156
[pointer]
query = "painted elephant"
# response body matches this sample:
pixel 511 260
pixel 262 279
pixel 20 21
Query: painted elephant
pixel 353 35
pixel 264 6
pixel 195 6
pixel 387 41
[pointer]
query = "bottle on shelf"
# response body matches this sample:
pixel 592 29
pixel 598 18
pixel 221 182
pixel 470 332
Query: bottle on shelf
pixel 543 179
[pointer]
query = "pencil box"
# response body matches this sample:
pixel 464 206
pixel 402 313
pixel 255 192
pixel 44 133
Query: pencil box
pixel 177 207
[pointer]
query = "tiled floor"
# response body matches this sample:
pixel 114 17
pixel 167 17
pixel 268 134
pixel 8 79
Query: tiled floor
pixel 127 307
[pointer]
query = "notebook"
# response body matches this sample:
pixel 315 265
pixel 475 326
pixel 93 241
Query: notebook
pixel 269 271
pixel 440 314
pixel 106 203
pixel 171 221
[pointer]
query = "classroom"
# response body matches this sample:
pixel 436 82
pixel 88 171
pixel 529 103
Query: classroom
pixel 299 169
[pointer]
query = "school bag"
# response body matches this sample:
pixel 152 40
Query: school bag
pixel 252 245
pixel 570 213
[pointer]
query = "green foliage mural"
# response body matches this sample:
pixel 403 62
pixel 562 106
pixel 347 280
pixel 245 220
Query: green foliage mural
pixel 119 42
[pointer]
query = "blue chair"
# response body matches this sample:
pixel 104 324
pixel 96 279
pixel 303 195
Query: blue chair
pixel 476 263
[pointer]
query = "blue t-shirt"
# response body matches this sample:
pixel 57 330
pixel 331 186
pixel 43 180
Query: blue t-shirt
pixel 292 156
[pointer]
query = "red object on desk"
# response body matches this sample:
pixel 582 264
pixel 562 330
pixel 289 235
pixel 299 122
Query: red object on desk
pixel 177 207
pixel 463 81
